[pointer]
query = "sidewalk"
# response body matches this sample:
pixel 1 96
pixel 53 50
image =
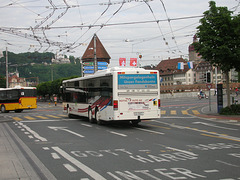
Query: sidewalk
pixel 206 113
pixel 13 163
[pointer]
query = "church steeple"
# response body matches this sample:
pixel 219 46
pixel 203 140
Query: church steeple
pixel 193 55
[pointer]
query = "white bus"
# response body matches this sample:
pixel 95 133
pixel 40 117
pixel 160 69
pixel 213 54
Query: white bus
pixel 114 94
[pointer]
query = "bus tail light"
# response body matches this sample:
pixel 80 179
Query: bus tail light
pixel 115 105
pixel 159 103
pixel 19 102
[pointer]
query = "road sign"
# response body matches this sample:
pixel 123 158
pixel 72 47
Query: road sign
pixel 102 63
pixel 102 67
pixel 88 71
pixel 88 67
pixel 209 86
pixel 88 63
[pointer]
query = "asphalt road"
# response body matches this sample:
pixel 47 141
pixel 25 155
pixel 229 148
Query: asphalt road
pixel 179 145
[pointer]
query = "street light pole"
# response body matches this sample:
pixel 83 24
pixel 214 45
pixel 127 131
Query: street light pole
pixel 6 67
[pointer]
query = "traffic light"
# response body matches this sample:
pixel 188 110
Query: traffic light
pixel 208 77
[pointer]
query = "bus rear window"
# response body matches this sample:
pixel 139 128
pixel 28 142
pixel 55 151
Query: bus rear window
pixel 28 92
pixel 137 81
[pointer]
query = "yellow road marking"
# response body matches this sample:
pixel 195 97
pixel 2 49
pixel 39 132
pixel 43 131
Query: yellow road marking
pixel 173 112
pixel 42 117
pixel 17 118
pixel 53 116
pixel 220 137
pixel 160 126
pixel 28 117
pixel 163 112
pixel 184 112
pixel 195 112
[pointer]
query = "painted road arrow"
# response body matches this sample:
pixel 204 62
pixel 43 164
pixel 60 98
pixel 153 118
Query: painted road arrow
pixel 64 129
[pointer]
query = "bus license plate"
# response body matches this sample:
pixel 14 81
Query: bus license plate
pixel 138 113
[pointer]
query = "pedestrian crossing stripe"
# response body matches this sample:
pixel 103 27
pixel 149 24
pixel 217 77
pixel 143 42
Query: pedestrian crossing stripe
pixel 28 117
pixel 163 112
pixel 17 118
pixel 53 116
pixel 42 117
pixel 195 112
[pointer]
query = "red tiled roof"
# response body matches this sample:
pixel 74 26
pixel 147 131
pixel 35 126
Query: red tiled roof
pixel 101 52
pixel 170 66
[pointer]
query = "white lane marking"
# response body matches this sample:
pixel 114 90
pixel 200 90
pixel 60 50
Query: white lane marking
pixel 155 132
pixel 55 156
pixel 213 125
pixel 124 135
pixel 80 165
pixel 70 168
pixel 87 125
pixel 229 164
pixel 36 135
pixel 65 129
pixel 211 171
pixel 30 137
pixel 45 148
pixel 183 151
pixel 202 131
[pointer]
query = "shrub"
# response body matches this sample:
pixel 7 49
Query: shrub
pixel 234 109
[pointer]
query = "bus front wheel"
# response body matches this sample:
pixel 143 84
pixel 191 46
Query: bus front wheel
pixel 97 117
pixel 90 116
pixel 68 113
pixel 3 109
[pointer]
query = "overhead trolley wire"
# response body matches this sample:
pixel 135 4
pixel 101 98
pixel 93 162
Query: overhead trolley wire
pixel 164 39
pixel 169 22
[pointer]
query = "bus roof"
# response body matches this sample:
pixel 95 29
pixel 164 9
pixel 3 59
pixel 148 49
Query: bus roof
pixel 17 87
pixel 108 71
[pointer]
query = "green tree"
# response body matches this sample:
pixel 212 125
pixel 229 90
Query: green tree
pixel 2 82
pixel 51 87
pixel 219 40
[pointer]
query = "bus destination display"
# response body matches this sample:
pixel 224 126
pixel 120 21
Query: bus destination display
pixel 137 81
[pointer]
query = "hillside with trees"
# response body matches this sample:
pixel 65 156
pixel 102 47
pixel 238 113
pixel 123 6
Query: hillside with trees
pixel 38 65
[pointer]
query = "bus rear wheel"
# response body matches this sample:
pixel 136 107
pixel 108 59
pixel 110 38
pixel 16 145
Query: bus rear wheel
pixel 3 109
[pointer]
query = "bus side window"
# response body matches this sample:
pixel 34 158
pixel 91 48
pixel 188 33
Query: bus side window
pixel 3 95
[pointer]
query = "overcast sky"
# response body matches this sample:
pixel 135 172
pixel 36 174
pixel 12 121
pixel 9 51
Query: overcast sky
pixel 125 29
